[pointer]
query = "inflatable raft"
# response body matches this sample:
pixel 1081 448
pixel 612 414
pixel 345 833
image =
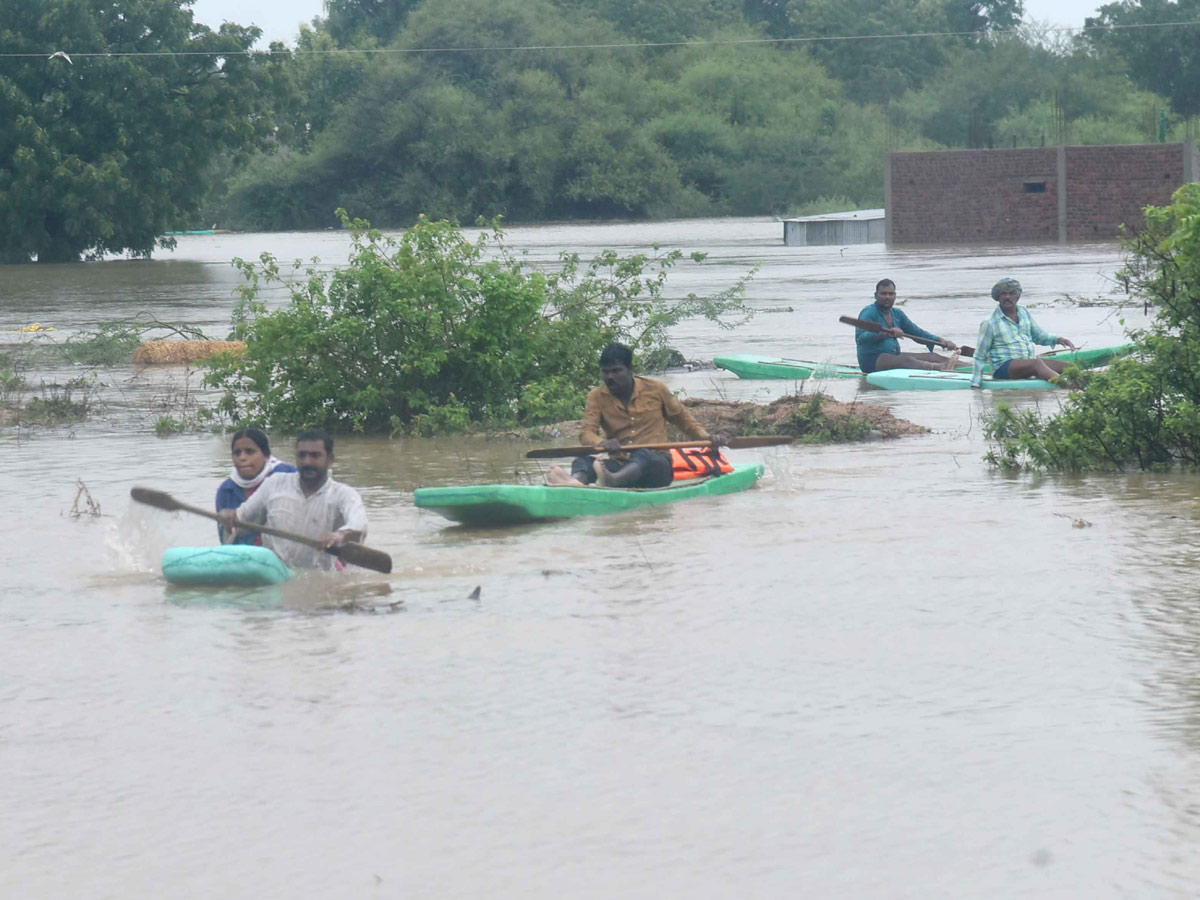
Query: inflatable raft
pixel 507 504
pixel 229 564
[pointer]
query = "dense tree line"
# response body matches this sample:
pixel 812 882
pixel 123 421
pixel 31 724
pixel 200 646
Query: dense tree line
pixel 701 118
pixel 630 108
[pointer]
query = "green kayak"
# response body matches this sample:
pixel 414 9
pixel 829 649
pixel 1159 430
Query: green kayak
pixel 921 380
pixel 750 365
pixel 507 504
pixel 1089 356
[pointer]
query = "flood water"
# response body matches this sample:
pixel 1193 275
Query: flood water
pixel 887 671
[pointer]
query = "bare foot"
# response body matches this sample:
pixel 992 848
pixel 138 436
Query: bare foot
pixel 951 364
pixel 601 473
pixel 558 477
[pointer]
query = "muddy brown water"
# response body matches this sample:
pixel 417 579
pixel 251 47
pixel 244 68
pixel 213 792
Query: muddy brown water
pixel 885 672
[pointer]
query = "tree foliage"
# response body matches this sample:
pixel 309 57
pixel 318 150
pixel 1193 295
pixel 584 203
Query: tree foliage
pixel 1165 60
pixel 355 22
pixel 105 144
pixel 434 332
pixel 586 128
pixel 534 109
pixel 1141 413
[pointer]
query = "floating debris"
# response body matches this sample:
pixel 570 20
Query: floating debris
pixel 173 352
pixel 1075 523
pixel 84 504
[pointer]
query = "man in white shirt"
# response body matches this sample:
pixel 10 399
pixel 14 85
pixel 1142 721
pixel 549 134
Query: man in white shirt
pixel 307 502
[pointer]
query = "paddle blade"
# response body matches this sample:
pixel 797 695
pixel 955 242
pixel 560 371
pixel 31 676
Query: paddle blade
pixel 864 324
pixel 157 499
pixel 364 556
pixel 964 350
pixel 559 452
pixel 763 440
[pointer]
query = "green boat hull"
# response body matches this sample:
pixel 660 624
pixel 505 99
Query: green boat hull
pixel 240 565
pixel 750 365
pixel 921 380
pixel 509 504
pixel 1090 356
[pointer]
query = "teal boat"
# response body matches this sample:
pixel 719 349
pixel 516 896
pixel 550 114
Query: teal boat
pixel 750 365
pixel 922 380
pixel 242 565
pixel 508 504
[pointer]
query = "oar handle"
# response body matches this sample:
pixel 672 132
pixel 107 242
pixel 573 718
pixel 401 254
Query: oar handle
pixel 736 443
pixel 875 327
pixel 251 526
pixel 352 552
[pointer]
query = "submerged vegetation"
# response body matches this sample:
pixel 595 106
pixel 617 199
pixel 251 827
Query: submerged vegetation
pixel 1144 412
pixel 433 332
pixel 46 403
pixel 114 342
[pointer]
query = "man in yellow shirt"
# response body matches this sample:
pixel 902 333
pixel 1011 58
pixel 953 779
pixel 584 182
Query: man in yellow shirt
pixel 629 409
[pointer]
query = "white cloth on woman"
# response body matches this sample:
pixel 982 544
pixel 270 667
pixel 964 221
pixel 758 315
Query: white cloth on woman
pixel 247 484
pixel 280 503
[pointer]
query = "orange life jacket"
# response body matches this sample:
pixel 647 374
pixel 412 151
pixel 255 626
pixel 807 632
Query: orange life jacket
pixel 698 462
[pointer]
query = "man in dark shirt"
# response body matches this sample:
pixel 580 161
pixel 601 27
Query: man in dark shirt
pixel 881 349
pixel 629 409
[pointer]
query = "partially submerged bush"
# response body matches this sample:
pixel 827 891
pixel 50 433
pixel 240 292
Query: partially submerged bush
pixel 1143 412
pixel 114 342
pixel 57 404
pixel 433 332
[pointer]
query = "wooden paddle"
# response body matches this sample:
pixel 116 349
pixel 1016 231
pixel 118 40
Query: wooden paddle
pixel 351 552
pixel 867 325
pixel 737 443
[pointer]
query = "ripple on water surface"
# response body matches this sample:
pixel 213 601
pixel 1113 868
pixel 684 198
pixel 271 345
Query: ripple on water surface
pixel 884 672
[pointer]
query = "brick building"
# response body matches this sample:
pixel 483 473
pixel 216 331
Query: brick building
pixel 1031 195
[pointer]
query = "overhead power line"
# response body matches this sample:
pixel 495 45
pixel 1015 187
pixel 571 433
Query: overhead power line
pixel 630 45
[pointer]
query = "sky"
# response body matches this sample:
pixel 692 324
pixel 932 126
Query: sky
pixel 280 19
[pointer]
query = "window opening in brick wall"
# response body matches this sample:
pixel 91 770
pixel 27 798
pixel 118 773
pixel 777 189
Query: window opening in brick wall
pixel 1035 187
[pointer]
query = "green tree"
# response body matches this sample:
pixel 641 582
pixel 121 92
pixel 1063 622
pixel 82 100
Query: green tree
pixel 655 20
pixel 874 65
pixel 433 332
pixel 353 23
pixel 321 81
pixel 1143 412
pixel 105 145
pixel 465 134
pixel 1163 59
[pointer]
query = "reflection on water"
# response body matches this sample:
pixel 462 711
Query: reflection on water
pixel 315 592
pixel 884 672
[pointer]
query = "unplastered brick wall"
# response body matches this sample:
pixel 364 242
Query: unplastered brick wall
pixel 956 196
pixel 1036 195
pixel 1109 186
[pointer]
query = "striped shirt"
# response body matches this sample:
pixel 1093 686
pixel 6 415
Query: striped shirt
pixel 280 503
pixel 1002 339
